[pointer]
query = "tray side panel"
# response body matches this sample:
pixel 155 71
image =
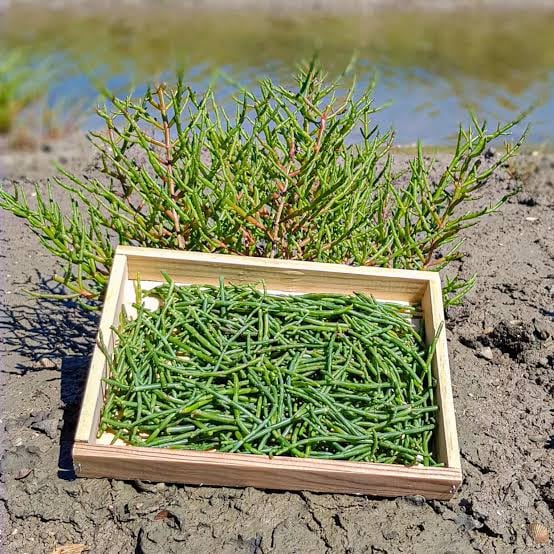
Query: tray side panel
pixel 94 392
pixel 446 435
pixel 283 275
pixel 238 470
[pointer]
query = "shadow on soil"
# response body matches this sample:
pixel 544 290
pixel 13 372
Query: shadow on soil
pixel 51 334
pixel 46 330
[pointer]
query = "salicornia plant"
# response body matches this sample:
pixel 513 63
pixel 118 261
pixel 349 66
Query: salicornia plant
pixel 299 174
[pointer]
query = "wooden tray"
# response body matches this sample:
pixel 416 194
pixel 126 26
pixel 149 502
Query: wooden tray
pixel 94 458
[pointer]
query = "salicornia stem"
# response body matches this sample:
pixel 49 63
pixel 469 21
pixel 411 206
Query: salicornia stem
pixel 236 369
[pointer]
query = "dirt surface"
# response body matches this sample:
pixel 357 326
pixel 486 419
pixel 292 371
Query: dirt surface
pixel 501 345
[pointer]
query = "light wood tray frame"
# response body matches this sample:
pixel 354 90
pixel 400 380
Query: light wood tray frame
pixel 94 458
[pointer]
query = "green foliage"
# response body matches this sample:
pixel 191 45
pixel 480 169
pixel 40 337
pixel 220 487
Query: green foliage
pixel 21 85
pixel 287 176
pixel 455 289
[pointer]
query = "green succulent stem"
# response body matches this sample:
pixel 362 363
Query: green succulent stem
pixel 296 173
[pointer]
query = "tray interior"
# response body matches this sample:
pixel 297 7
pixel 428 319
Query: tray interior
pixel 129 300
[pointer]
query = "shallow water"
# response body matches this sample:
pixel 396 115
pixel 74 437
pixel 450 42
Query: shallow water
pixel 433 67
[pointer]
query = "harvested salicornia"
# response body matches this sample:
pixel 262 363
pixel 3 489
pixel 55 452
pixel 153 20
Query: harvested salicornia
pixel 236 369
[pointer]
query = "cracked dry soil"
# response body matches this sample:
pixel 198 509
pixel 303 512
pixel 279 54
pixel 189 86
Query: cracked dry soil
pixel 501 345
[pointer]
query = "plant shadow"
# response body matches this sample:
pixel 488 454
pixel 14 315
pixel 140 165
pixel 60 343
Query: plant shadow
pixel 48 334
pixel 46 330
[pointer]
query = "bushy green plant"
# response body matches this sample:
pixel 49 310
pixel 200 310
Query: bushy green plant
pixel 299 174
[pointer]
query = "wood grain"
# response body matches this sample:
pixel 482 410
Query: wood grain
pixel 93 397
pixel 446 436
pixel 284 275
pixel 281 473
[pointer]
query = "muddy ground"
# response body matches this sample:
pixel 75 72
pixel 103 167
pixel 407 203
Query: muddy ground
pixel 501 345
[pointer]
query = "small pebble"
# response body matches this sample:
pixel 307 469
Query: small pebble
pixel 541 330
pixel 22 473
pixel 417 499
pixel 467 522
pixel 538 532
pixel 47 426
pixel 47 363
pixel 437 506
pixel 486 353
